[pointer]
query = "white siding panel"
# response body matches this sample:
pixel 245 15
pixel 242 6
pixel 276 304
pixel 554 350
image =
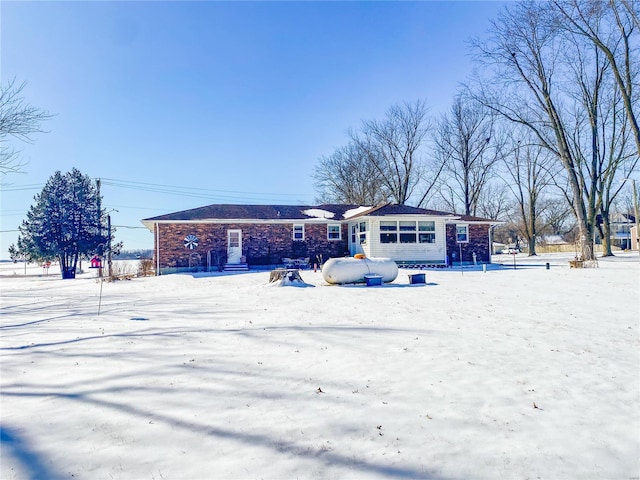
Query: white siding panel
pixel 428 252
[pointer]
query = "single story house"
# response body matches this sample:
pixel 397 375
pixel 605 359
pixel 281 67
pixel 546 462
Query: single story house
pixel 237 236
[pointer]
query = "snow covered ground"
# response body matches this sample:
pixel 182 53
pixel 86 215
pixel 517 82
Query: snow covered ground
pixel 514 374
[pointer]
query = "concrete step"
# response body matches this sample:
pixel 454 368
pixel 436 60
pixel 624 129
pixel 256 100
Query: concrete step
pixel 235 267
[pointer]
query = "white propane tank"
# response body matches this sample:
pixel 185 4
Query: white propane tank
pixel 353 270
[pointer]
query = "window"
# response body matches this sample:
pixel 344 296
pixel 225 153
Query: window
pixel 298 232
pixel 333 232
pixel 354 229
pixel 363 232
pixel 462 233
pixel 427 232
pixel 234 239
pixel 388 232
pixel 407 232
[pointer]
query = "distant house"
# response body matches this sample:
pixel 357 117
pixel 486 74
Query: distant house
pixel 620 225
pixel 237 236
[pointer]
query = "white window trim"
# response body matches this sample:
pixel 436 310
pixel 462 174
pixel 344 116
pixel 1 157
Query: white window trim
pixel 293 232
pixel 339 232
pixel 466 227
pixel 428 232
pixel 412 231
pixel 395 231
pixel 362 234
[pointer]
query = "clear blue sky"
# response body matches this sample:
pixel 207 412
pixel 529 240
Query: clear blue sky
pixel 224 102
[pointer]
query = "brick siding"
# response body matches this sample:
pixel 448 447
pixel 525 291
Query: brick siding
pixel 268 244
pixel 262 244
pixel 478 244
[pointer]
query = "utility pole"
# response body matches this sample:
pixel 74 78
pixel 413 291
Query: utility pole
pixel 101 246
pixel 635 212
pixel 109 246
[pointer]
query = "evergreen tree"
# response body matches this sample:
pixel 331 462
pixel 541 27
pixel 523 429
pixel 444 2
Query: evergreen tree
pixel 66 222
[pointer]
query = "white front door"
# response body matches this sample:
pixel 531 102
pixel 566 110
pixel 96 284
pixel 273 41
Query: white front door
pixel 234 246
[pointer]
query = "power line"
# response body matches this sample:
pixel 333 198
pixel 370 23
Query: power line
pixel 197 192
pixel 111 205
pixel 182 191
pixel 18 188
pixel 132 184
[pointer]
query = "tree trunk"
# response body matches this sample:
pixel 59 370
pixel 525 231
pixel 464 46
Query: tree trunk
pixel 586 243
pixel 67 268
pixel 532 246
pixel 532 225
pixel 68 272
pixel 606 235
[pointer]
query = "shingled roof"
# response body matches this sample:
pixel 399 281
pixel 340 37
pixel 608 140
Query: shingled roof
pixel 257 212
pixel 392 209
pixel 336 212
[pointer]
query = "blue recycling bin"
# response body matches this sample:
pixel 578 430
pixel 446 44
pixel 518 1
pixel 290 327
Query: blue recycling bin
pixel 373 280
pixel 417 278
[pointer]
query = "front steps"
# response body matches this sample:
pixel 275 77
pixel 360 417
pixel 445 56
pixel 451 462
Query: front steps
pixel 235 267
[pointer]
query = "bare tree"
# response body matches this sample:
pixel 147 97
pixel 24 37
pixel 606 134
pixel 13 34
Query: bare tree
pixel 613 28
pixel 347 176
pixel 463 143
pixel 601 137
pixel 557 216
pixel 494 201
pixel 616 159
pixel 624 201
pixel 527 175
pixel 552 94
pixel 18 119
pixel 394 146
